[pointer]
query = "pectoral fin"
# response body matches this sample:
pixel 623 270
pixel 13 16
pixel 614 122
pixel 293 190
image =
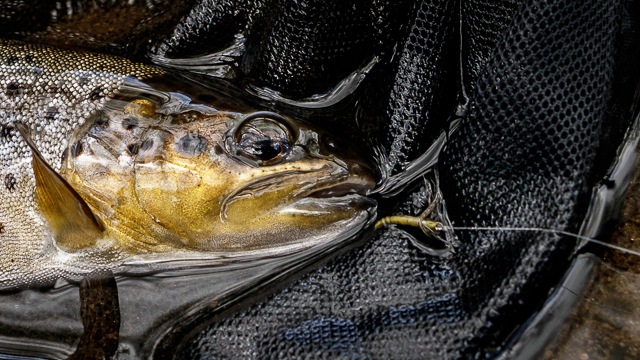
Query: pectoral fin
pixel 72 222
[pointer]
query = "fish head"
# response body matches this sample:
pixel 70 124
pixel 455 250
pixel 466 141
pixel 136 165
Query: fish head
pixel 199 179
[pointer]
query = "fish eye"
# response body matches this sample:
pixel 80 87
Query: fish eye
pixel 263 138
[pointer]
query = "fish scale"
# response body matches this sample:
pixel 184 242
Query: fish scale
pixel 52 92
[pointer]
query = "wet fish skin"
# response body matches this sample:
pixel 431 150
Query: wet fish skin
pixel 196 181
pixel 52 92
pixel 59 96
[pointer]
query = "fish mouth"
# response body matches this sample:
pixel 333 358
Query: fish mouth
pixel 352 186
pixel 345 195
pixel 359 180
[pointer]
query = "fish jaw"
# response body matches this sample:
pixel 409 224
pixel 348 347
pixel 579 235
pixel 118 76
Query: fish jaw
pixel 212 211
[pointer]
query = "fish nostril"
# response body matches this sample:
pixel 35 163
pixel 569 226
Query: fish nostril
pixel 332 144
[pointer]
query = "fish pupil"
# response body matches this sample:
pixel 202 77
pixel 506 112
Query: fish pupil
pixel 267 149
pixel 262 147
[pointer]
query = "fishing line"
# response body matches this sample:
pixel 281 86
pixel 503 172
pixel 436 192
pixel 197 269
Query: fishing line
pixel 429 227
pixel 549 231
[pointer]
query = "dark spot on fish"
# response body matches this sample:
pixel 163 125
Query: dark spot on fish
pixel 10 182
pixel 6 131
pixel 133 149
pixel 76 149
pixel 1 228
pixel 13 89
pixel 192 144
pixel 96 93
pixel 102 119
pixel 53 89
pixel 83 80
pixel 147 144
pixel 129 123
pixel 11 60
pixel 51 113
pixel 217 149
pixel 28 58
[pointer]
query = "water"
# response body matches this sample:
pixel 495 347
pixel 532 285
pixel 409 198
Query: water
pixel 149 307
pixel 605 324
pixel 48 322
pixel 126 312
pixel 592 314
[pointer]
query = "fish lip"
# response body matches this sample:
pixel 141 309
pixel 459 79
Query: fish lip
pixel 341 189
pixel 326 203
pixel 360 181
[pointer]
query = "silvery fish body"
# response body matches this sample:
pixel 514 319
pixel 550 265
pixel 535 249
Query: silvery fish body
pixel 49 102
pixel 52 92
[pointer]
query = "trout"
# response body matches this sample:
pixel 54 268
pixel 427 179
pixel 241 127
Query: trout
pixel 98 167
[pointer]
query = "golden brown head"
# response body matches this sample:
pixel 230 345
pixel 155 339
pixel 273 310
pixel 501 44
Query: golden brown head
pixel 198 179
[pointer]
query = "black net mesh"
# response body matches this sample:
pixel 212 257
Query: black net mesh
pixel 340 311
pixel 209 26
pixel 538 78
pixel 303 48
pixel 410 97
pixel 483 22
pixel 544 91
